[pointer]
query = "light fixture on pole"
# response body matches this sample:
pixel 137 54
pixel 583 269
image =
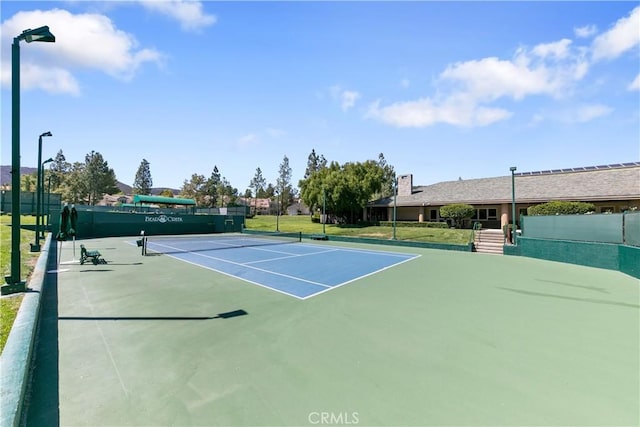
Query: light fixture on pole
pixel 395 204
pixel 48 199
pixel 324 210
pixel 41 34
pixel 41 211
pixel 36 247
pixel 513 204
pixel 277 210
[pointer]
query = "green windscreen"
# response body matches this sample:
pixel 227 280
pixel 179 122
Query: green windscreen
pixel 603 228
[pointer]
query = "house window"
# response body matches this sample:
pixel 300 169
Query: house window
pixel 607 209
pixel 486 214
pixel 433 214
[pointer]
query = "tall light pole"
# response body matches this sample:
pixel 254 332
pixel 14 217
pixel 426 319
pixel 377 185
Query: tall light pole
pixel 513 204
pixel 41 200
pixel 324 210
pixel 277 211
pixel 395 205
pixel 36 246
pixel 41 34
pixel 48 199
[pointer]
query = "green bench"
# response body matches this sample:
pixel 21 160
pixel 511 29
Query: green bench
pixel 94 256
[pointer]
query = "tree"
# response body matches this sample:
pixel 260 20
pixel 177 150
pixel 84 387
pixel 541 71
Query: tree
pixel 314 163
pixel 193 189
pixel 257 183
pixel 283 185
pixel 227 191
pixel 166 193
pixel 99 177
pixel 388 177
pixel 143 182
pixel 59 169
pixel 28 182
pixel 75 188
pixel 212 188
pixel 457 213
pixel 346 189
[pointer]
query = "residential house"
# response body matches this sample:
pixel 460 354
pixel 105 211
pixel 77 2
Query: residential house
pixel 611 188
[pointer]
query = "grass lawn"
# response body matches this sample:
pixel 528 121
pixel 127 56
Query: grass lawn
pixel 10 304
pixel 303 224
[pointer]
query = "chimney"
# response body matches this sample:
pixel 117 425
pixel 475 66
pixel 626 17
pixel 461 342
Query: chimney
pixel 405 185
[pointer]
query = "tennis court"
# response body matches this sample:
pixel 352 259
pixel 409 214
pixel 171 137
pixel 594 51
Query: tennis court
pixel 271 261
pixel 444 338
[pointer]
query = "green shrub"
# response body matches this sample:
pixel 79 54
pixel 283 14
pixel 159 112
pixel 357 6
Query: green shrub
pixel 561 208
pixel 414 224
pixel 457 212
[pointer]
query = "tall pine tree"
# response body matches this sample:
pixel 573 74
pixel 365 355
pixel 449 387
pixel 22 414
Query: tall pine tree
pixel 143 181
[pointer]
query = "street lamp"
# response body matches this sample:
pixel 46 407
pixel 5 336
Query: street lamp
pixel 41 34
pixel 324 210
pixel 277 210
pixel 513 204
pixel 395 204
pixel 36 246
pixel 48 200
pixel 41 193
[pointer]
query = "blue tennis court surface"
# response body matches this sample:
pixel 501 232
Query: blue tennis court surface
pixel 300 270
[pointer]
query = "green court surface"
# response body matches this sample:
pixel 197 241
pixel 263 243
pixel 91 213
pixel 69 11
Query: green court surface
pixel 448 338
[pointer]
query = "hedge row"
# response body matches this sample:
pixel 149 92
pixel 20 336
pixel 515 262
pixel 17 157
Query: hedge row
pixel 415 224
pixel 561 208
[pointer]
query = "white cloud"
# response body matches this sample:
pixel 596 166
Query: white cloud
pixel 189 14
pixel 623 36
pixel 547 69
pixel 83 41
pixel 635 84
pixel 586 113
pixel 275 133
pixel 456 110
pixel 346 97
pixel 247 140
pixel 559 49
pixel 405 83
pixel 349 98
pixel 586 31
pixel 465 89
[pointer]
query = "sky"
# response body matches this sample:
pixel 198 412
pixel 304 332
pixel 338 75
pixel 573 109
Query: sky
pixel 445 90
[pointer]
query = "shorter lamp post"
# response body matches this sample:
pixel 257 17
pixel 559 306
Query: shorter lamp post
pixel 36 246
pixel 48 200
pixel 324 210
pixel 277 211
pixel 513 204
pixel 41 198
pixel 395 205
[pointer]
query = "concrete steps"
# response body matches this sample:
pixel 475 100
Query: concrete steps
pixel 489 241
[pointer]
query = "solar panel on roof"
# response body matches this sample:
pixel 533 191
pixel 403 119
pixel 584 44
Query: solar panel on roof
pixel 579 169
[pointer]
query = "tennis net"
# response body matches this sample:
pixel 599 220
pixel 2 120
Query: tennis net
pixel 208 242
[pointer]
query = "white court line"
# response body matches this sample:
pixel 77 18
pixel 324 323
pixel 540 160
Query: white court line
pixel 248 266
pixel 290 256
pixel 106 345
pixel 362 251
pixel 327 287
pixel 360 277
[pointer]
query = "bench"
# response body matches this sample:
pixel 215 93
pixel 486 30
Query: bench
pixel 319 237
pixel 94 256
